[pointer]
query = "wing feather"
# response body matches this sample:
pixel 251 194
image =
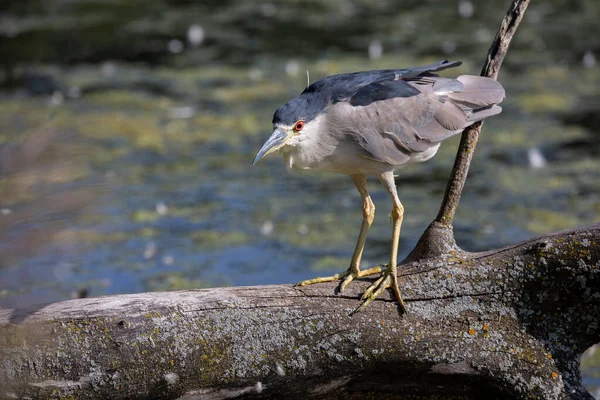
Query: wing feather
pixel 450 117
pixel 378 91
pixel 395 114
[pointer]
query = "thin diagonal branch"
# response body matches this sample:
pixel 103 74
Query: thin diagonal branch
pixel 469 138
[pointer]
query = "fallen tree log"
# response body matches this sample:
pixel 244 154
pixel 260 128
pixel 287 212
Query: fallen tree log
pixel 509 323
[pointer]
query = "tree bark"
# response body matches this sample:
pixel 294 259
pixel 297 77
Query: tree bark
pixel 509 323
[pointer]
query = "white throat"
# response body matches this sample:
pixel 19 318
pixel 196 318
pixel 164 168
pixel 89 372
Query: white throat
pixel 310 147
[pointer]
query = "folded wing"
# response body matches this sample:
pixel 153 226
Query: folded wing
pixel 394 118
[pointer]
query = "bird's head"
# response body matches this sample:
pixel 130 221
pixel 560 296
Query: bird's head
pixel 292 120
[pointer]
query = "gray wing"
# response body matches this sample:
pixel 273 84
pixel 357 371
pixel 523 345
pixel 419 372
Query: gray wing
pixel 393 120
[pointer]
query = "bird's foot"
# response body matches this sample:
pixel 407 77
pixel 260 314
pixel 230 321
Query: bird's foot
pixel 388 279
pixel 348 276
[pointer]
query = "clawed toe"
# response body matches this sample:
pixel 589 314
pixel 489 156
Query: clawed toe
pixel 387 280
pixel 346 277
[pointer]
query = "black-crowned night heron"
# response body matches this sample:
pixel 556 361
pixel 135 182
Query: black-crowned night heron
pixel 370 124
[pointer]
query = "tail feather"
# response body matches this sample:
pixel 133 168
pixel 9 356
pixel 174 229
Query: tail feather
pixel 478 92
pixel 477 100
pixel 483 113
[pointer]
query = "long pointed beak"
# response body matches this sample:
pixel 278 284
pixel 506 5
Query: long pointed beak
pixel 274 142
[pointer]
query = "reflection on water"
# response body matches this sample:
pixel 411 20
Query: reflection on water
pixel 121 178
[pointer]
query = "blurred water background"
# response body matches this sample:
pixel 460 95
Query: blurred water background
pixel 128 128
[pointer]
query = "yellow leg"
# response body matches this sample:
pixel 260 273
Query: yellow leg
pixel 360 181
pixel 389 278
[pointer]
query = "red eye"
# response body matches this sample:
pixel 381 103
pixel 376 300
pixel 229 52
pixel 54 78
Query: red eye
pixel 299 126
